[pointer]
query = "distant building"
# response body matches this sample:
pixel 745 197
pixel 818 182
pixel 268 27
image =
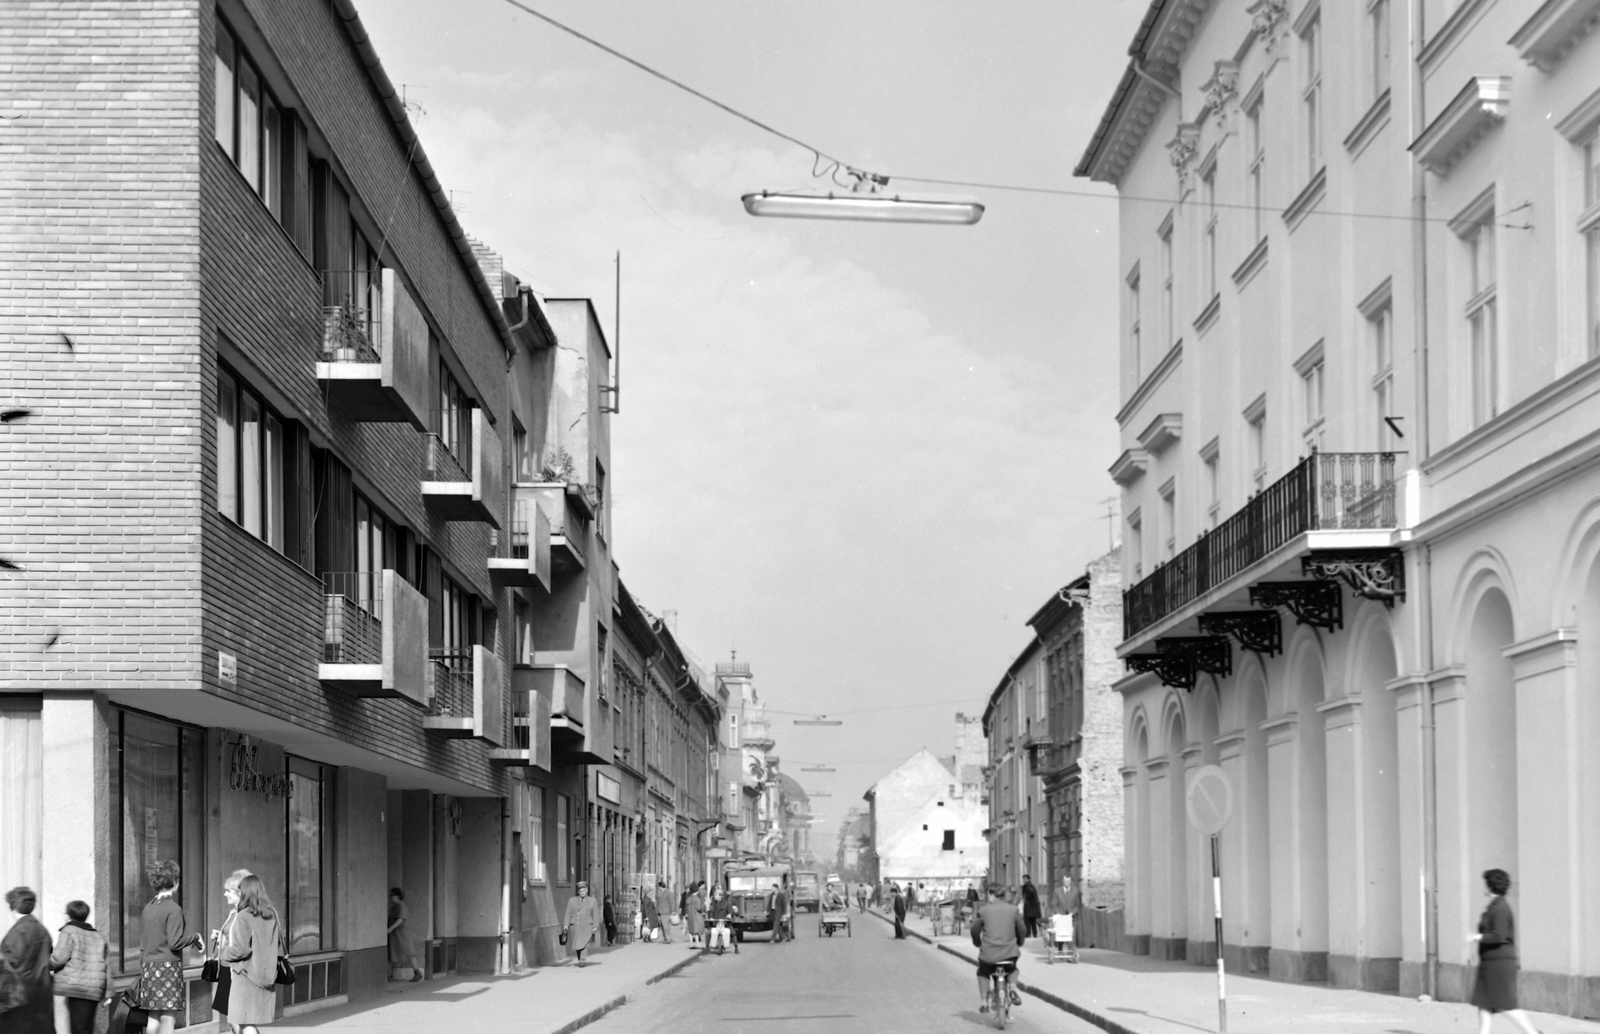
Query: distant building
pixel 926 816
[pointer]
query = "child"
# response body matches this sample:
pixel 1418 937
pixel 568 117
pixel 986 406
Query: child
pixel 82 965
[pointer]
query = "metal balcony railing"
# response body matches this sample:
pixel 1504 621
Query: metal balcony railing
pixel 519 535
pixel 350 328
pixel 1325 491
pixel 452 683
pixel 352 623
pixel 439 463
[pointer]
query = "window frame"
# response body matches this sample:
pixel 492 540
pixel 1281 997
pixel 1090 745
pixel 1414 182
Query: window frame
pixel 1209 231
pixel 1311 91
pixel 1132 302
pixel 267 469
pixel 296 766
pixel 1484 352
pixel 1589 231
pixel 1169 517
pixel 1380 27
pixel 1257 156
pixel 1135 538
pixel 538 871
pixel 266 150
pixel 1169 301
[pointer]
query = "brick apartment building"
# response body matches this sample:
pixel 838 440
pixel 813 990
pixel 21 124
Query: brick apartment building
pixel 312 571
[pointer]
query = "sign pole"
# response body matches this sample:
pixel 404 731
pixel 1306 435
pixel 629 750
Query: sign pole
pixel 1216 897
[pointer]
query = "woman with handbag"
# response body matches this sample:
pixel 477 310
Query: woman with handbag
pixel 213 970
pixel 164 934
pixel 255 939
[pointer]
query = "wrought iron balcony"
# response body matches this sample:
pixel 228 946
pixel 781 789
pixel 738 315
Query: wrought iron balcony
pixel 1326 491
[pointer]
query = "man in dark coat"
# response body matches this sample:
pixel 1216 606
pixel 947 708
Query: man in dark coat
pixel 780 915
pixel 1030 906
pixel 26 947
pixel 899 914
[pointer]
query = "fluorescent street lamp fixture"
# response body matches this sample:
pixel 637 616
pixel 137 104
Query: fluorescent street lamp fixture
pixel 818 768
pixel 818 793
pixel 866 205
pixel 820 719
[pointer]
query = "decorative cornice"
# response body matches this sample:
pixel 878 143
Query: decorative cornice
pixel 1130 466
pixel 1162 433
pixel 1270 21
pixel 1478 108
pixel 1181 150
pixel 1306 200
pixel 1368 126
pixel 1253 263
pixel 1208 315
pixel 1168 363
pixel 1554 30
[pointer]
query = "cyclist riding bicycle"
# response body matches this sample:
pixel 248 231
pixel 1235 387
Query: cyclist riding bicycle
pixel 998 932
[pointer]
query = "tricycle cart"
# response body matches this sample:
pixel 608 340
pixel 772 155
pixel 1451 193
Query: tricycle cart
pixel 832 920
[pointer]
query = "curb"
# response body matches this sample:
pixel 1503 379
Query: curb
pixel 622 999
pixel 1105 1023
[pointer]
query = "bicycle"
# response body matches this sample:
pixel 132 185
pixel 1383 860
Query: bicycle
pixel 1000 991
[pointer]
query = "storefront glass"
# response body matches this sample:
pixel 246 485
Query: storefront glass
pixel 158 783
pixel 305 833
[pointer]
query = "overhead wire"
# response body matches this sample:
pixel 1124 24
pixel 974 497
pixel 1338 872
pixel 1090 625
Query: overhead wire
pixel 831 170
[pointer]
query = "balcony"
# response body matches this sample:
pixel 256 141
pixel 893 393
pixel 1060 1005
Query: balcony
pixel 374 364
pixel 1330 502
pixel 375 634
pixel 461 479
pixel 572 740
pixel 530 724
pixel 527 562
pixel 568 531
pixel 1046 758
pixel 468 697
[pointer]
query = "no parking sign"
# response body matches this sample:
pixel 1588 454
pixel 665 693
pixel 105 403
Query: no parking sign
pixel 1209 802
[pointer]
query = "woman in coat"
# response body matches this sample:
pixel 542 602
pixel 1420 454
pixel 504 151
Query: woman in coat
pixel 163 936
pixel 82 965
pixel 26 947
pixel 694 913
pixel 401 955
pixel 1496 986
pixel 230 894
pixel 255 937
pixel 581 921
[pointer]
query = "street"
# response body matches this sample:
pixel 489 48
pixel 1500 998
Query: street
pixel 865 982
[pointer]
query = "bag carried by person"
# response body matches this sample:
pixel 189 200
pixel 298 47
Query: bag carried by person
pixel 562 937
pixel 285 967
pixel 127 1016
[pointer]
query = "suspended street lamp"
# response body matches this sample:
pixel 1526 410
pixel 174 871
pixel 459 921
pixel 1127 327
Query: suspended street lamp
pixel 864 199
pixel 818 768
pixel 820 719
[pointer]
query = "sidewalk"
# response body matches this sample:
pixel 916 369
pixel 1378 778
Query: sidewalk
pixel 1134 994
pixel 549 1000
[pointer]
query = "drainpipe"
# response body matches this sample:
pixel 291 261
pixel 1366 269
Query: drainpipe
pixel 1138 70
pixel 1424 593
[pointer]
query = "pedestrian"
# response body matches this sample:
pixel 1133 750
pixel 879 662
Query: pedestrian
pixel 649 915
pixel 26 950
pixel 581 921
pixel 781 922
pixel 911 897
pixel 401 953
pixel 664 910
pixel 861 899
pixel 255 940
pixel 82 964
pixel 899 906
pixel 721 912
pixel 1030 906
pixel 609 914
pixel 694 915
pixel 164 935
pixel 1064 903
pixel 219 937
pixel 1496 986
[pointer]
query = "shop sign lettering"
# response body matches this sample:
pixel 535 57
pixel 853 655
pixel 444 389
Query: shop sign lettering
pixel 244 776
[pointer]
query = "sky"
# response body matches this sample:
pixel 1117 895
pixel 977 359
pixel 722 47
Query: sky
pixel 860 454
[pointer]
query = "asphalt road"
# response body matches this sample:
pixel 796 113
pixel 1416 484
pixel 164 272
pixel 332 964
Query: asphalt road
pixel 868 982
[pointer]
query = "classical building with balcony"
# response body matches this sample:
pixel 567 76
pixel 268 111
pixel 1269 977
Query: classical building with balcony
pixel 1360 480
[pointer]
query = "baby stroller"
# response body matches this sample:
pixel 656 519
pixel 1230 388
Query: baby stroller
pixel 1059 941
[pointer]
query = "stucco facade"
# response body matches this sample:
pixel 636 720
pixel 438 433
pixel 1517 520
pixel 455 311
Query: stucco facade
pixel 927 818
pixel 1359 376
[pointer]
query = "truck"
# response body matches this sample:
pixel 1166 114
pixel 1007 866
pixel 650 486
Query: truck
pixel 807 891
pixel 750 888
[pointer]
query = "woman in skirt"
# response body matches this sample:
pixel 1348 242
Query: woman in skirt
pixel 230 893
pixel 255 939
pixel 164 934
pixel 1496 986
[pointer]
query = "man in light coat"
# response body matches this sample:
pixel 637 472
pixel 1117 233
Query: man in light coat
pixel 581 921
pixel 664 910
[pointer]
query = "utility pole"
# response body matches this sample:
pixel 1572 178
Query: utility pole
pixel 1110 503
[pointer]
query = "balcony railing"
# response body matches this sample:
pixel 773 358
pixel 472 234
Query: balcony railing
pixel 439 462
pixel 352 300
pixel 352 612
pixel 1325 491
pixel 452 683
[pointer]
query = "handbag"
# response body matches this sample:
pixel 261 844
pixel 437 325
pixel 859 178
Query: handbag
pixel 211 971
pixel 127 1016
pixel 285 967
pixel 562 938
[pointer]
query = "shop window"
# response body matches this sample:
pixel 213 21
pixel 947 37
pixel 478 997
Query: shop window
pixel 158 781
pixel 563 841
pixel 535 840
pixel 304 908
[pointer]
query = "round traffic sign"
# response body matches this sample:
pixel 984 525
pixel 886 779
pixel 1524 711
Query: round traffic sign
pixel 1209 800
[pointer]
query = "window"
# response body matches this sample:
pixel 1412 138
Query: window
pixel 949 839
pixel 1311 93
pixel 1378 48
pixel 1169 517
pixel 453 420
pixel 1482 325
pixel 1133 322
pixel 1168 302
pixel 304 909
pixel 521 458
pixel 523 619
pixel 377 546
pixel 1208 255
pixel 1589 226
pixel 600 499
pixel 535 839
pixel 1256 423
pixel 1312 396
pixel 1209 457
pixel 459 625
pixel 250 471
pixel 249 124
pixel 563 838
pixel 1380 331
pixel 1136 543
pixel 158 779
pixel 1257 157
